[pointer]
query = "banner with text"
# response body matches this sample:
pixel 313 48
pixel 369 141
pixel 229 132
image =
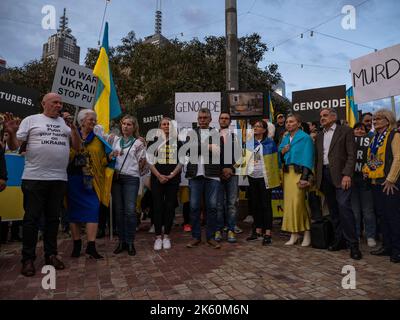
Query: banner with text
pixel 149 117
pixel 188 104
pixel 21 101
pixel 309 103
pixel 75 84
pixel 376 75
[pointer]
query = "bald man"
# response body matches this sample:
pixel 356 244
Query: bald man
pixel 48 141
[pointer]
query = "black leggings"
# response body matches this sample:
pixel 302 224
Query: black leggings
pixel 164 203
pixel 260 203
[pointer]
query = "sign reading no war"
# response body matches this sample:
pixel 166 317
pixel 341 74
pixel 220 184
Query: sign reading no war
pixel 75 84
pixel 309 103
pixel 376 75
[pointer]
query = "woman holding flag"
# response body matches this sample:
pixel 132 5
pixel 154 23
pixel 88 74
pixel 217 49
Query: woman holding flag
pixel 297 155
pixel 86 184
pixel 261 167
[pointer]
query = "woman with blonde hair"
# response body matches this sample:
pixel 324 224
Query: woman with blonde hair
pixel 165 178
pixel 297 157
pixel 130 165
pixel 383 168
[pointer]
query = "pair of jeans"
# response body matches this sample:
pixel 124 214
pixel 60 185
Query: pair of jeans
pixel 227 197
pixel 388 209
pixel 42 203
pixel 260 202
pixel 363 206
pixel 339 205
pixel 124 195
pixel 199 187
pixel 164 204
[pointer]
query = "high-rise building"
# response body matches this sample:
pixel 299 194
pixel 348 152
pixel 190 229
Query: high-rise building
pixel 157 38
pixel 62 44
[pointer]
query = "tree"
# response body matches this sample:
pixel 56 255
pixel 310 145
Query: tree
pixel 36 74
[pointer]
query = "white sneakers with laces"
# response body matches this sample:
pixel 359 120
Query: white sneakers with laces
pixel 162 243
pixel 158 244
pixel 166 243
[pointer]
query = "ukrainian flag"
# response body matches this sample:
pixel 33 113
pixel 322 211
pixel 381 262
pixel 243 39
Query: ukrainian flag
pixel 271 108
pixel 351 108
pixel 106 105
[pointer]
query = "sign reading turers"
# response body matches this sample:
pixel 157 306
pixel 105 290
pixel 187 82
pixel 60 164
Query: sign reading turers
pixel 376 75
pixel 309 103
pixel 21 101
pixel 75 84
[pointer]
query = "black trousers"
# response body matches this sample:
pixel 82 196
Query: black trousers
pixel 339 204
pixel 164 203
pixel 388 210
pixel 260 201
pixel 41 199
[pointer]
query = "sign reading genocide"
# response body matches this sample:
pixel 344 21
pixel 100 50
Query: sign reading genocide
pixel 309 103
pixel 75 84
pixel 20 101
pixel 376 75
pixel 149 117
pixel 188 104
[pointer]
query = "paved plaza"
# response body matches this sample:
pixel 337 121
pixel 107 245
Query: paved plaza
pixel 245 270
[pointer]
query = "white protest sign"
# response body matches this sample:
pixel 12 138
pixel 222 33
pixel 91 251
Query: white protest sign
pixel 75 84
pixel 376 75
pixel 188 104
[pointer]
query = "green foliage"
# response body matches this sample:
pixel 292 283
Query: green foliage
pixel 145 74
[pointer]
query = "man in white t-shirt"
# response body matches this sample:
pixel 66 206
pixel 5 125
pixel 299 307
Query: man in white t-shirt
pixel 47 140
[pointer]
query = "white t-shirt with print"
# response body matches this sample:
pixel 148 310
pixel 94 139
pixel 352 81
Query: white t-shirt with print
pixel 47 151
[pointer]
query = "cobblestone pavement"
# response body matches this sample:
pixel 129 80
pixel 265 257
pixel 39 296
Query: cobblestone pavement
pixel 245 270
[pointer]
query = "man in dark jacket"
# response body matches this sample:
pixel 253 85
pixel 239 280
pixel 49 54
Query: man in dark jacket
pixel 335 165
pixel 203 172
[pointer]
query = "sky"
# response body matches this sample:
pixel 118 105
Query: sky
pixel 307 62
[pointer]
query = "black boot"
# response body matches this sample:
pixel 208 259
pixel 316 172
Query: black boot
pixel 76 251
pixel 91 251
pixel 131 249
pixel 121 247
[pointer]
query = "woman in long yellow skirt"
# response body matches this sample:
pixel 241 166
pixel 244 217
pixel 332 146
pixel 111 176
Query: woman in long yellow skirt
pixel 297 154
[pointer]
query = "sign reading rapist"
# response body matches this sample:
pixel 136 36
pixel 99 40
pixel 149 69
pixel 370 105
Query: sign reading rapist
pixel 21 101
pixel 75 84
pixel 149 117
pixel 309 103
pixel 376 75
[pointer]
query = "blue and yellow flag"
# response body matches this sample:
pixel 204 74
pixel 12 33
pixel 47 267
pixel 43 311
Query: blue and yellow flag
pixel 106 103
pixel 271 108
pixel 351 108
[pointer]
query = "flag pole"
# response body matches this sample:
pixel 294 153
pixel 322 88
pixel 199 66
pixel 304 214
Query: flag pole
pixel 393 106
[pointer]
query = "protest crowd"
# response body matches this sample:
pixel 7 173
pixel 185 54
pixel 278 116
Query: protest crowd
pixel 74 170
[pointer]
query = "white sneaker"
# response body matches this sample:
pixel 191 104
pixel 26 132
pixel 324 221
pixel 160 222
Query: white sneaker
pixel 152 229
pixel 166 243
pixel 371 242
pixel 158 244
